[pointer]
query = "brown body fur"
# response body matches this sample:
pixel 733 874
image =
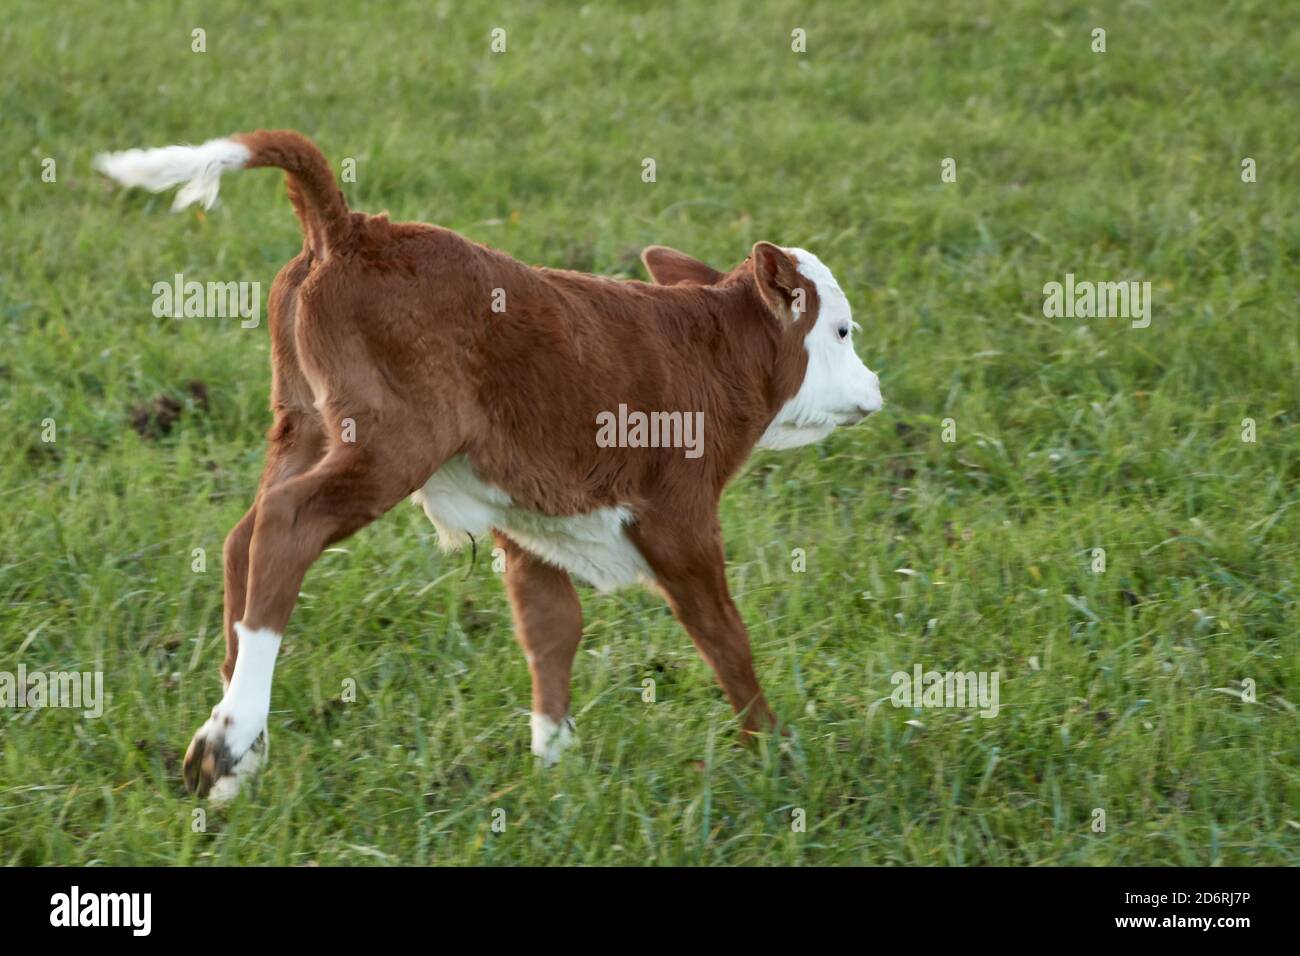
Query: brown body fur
pixel 391 325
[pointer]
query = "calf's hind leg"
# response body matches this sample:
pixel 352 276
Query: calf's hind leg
pixel 297 441
pixel 295 520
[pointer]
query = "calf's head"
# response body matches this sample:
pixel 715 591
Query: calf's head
pixel 797 302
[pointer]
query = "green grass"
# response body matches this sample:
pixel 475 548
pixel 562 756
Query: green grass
pixel 1071 434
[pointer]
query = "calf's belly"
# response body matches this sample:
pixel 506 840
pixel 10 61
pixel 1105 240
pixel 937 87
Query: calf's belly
pixel 593 546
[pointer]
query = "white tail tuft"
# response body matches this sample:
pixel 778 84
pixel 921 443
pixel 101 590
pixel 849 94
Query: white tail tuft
pixel 198 167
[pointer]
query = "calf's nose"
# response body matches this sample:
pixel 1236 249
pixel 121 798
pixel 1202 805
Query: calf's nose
pixel 872 400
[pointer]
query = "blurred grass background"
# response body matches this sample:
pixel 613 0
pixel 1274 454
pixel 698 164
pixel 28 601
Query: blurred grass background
pixel 1119 691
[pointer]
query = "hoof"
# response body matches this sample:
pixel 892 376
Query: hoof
pixel 221 757
pixel 551 739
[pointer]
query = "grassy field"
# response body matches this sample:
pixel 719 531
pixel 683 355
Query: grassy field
pixel 1120 690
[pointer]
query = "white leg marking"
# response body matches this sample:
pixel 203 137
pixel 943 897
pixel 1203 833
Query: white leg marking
pixel 549 738
pixel 235 734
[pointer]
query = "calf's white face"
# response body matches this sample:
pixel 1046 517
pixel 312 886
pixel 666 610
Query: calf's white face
pixel 837 389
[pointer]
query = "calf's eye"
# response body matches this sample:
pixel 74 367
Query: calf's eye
pixel 843 331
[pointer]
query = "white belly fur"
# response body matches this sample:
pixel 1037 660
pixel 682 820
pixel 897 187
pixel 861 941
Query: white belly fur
pixel 594 546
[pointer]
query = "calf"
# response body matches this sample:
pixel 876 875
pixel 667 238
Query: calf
pixel 410 362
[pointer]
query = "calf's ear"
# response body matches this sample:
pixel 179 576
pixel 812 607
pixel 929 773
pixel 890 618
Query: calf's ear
pixel 778 281
pixel 670 267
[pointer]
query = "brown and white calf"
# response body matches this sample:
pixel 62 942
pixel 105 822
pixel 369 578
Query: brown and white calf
pixel 410 362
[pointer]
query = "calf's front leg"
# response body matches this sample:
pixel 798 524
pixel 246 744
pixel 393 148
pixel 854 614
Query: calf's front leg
pixel 548 626
pixel 689 565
